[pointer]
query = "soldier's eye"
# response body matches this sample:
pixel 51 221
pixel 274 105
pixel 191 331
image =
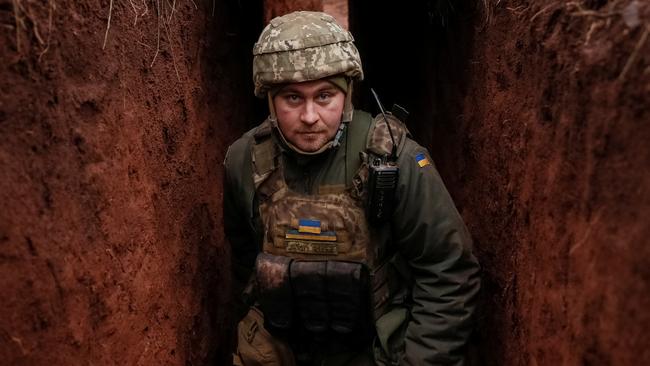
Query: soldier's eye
pixel 324 96
pixel 292 98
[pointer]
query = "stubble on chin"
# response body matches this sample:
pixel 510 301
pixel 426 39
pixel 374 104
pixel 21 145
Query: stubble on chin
pixel 310 144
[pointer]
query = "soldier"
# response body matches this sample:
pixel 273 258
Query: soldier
pixel 345 243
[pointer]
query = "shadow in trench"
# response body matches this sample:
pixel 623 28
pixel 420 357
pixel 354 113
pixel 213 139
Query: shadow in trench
pixel 230 109
pixel 417 55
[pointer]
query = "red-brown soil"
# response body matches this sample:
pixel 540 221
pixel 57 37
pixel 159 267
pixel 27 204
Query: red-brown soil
pixel 111 250
pixel 275 8
pixel 550 161
pixel 337 8
pixel 110 246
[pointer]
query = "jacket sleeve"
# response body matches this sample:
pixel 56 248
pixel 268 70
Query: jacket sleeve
pixel 238 195
pixel 433 239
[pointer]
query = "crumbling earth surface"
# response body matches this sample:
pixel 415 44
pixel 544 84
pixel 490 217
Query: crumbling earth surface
pixel 546 153
pixel 111 145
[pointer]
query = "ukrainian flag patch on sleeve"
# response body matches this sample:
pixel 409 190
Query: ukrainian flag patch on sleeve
pixel 422 160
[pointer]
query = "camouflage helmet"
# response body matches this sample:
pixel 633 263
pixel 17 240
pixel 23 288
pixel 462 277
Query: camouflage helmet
pixel 303 46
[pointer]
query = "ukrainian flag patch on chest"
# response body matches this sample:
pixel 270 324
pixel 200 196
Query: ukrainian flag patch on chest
pixel 309 226
pixel 310 230
pixel 311 239
pixel 422 160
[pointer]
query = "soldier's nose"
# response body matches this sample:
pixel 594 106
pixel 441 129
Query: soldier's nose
pixel 309 115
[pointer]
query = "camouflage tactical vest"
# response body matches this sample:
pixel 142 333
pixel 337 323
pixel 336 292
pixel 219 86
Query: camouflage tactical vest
pixel 318 253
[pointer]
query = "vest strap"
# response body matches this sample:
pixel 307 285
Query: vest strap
pixel 264 154
pixel 355 142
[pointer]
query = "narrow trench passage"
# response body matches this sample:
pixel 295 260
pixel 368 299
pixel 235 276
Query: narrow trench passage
pixel 114 123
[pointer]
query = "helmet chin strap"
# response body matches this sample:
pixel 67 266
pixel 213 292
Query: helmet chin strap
pixel 346 117
pixel 272 116
pixel 348 108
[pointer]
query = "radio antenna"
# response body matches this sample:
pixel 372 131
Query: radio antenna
pixel 393 153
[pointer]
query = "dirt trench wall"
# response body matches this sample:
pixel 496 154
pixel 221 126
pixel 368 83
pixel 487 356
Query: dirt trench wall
pixel 537 119
pixel 110 246
pixel 548 159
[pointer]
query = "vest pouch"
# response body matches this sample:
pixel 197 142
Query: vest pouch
pixel 274 289
pixel 257 347
pixel 308 279
pixel 347 295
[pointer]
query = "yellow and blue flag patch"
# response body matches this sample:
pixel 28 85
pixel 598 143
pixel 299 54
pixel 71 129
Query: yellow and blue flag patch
pixel 310 230
pixel 309 226
pixel 422 160
pixel 323 236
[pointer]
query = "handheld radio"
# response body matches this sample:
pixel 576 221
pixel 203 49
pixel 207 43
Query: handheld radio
pixel 383 174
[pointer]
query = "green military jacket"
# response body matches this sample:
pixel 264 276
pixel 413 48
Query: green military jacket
pixel 433 275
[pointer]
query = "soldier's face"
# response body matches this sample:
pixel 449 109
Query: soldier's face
pixel 309 113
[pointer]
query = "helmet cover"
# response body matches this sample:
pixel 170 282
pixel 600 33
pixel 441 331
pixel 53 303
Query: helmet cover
pixel 303 46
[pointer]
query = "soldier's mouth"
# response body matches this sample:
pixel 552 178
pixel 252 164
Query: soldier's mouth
pixel 310 134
